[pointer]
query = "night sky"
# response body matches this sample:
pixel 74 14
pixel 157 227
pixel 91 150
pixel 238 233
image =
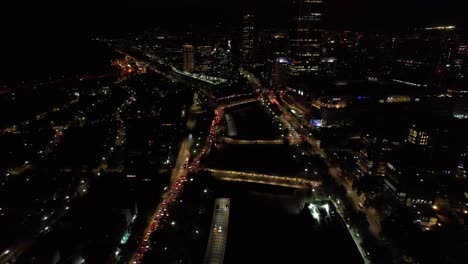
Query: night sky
pixel 44 27
pixel 44 19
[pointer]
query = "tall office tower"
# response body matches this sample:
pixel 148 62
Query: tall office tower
pixel 248 35
pixel 189 57
pixel 281 72
pixel 305 37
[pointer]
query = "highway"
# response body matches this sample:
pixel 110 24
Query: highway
pixel 178 177
pixel 181 164
pixel 176 182
pixel 218 235
pixel 285 117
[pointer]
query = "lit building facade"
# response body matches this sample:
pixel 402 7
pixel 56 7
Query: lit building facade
pixel 373 155
pixel 418 137
pixel 189 57
pixel 413 187
pixel 305 37
pixel 248 37
pixel 410 184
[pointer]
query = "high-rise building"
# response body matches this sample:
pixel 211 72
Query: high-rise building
pixel 189 57
pixel 248 36
pixel 273 43
pixel 373 155
pixel 280 72
pixel 418 137
pixel 305 37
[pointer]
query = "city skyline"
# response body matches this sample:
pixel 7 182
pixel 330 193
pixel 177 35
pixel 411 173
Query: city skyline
pixel 212 132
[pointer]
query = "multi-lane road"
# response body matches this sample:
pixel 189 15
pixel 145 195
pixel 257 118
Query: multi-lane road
pixel 178 177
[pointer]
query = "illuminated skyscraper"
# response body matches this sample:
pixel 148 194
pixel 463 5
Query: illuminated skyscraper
pixel 305 37
pixel 189 57
pixel 248 35
pixel 418 137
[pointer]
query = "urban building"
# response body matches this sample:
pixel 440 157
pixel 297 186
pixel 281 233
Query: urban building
pixel 305 37
pixel 432 56
pixel 274 55
pixel 414 185
pixel 281 72
pixel 248 38
pixel 273 43
pixel 328 66
pixel 373 155
pixel 189 57
pixel 419 172
pixel 418 137
pixel 410 183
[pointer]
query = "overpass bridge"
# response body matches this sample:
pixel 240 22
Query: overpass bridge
pixel 253 142
pixel 239 102
pixel 284 181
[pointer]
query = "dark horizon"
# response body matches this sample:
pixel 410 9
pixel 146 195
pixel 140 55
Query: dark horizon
pixel 47 30
pixel 46 20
